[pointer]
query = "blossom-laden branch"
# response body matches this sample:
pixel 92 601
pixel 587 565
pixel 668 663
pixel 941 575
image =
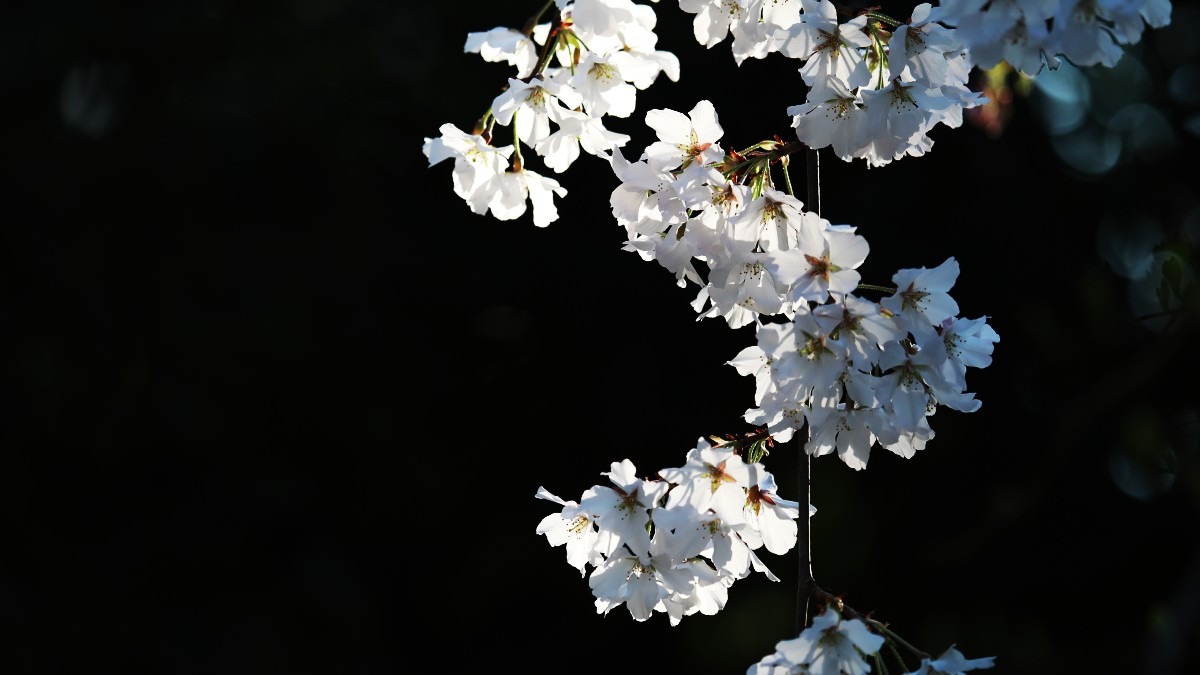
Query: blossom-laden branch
pixel 840 640
pixel 854 372
pixel 858 372
pixel 676 542
pixel 876 86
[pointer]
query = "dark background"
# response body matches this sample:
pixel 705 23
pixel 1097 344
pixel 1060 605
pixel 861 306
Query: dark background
pixel 274 400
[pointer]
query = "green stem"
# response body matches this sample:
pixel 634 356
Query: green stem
pixel 874 287
pixel 518 163
pixel 892 636
pixel 778 153
pixel 896 654
pixel 813 174
pixel 884 18
pixel 547 53
pixel 533 20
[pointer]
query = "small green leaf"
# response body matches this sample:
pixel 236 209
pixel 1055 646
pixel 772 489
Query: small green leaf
pixel 757 450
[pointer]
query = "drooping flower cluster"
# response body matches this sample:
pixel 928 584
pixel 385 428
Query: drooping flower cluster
pixel 862 373
pixel 677 542
pixel 834 645
pixel 875 85
pixel 1031 36
pixel 571 73
pixel 762 253
pixel 858 372
pixel 952 662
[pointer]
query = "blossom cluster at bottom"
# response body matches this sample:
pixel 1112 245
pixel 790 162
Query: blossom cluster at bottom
pixel 675 542
pixel 834 645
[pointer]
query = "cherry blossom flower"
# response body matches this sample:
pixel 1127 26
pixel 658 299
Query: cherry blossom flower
pixel 713 18
pixel 576 131
pixel 538 101
pixel 830 51
pixel 969 344
pixel 711 475
pixel 826 263
pixel 862 326
pixel 515 187
pixel 831 117
pixel 952 662
pixel 624 507
pixel 478 165
pixel 603 88
pixel 573 529
pixel 645 202
pixel 768 514
pixel 922 295
pixel 918 49
pixel 505 45
pixel 683 139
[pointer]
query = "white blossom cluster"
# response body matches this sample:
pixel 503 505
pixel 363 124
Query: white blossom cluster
pixel 875 86
pixel 1034 34
pixel 861 373
pixel 834 645
pixel 677 542
pixel 858 372
pixel 601 55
